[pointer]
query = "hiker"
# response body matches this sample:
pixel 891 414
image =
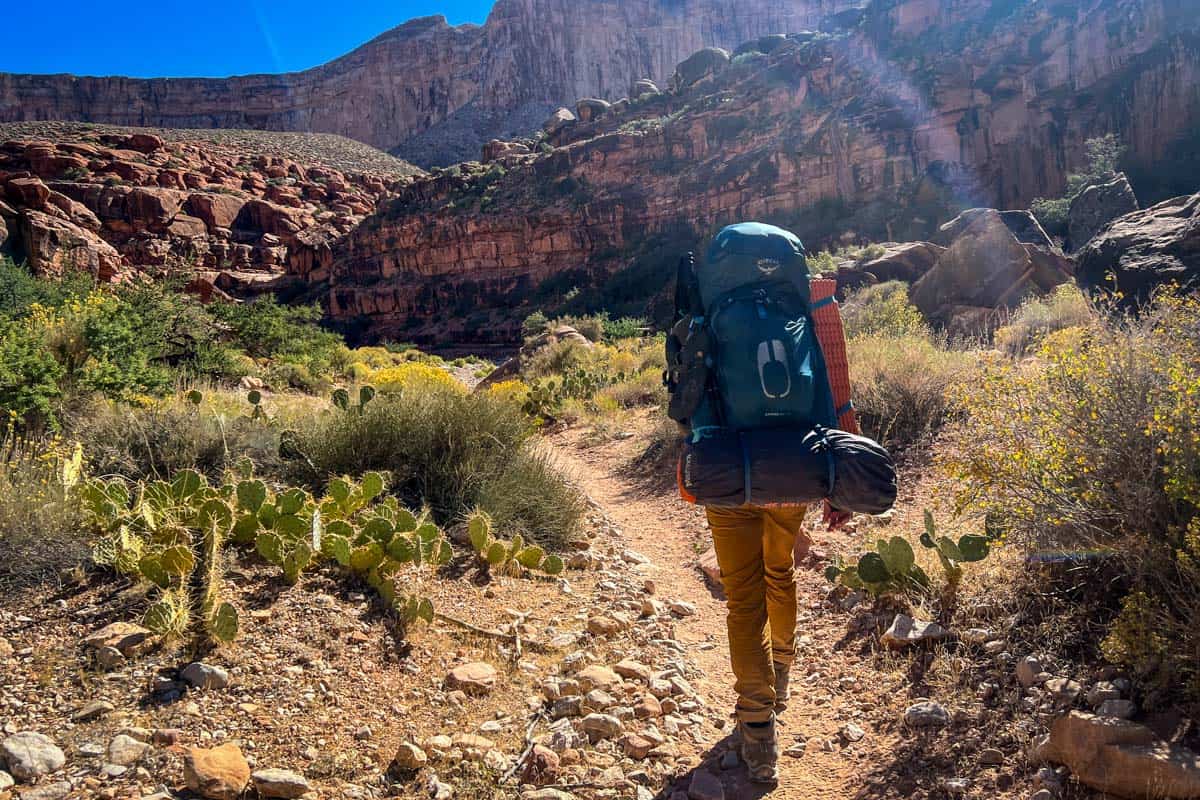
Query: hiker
pixel 748 378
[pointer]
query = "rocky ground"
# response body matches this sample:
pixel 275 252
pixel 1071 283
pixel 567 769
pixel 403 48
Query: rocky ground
pixel 611 682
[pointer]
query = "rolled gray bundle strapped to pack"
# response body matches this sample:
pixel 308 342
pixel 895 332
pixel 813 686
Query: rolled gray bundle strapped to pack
pixel 789 467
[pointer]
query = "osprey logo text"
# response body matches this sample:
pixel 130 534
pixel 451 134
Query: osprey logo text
pixel 767 266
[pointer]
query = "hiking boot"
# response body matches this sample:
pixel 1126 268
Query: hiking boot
pixel 782 692
pixel 760 751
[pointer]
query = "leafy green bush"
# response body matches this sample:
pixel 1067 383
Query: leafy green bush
pixel 450 451
pixel 1066 307
pixel 882 310
pixel 285 334
pixel 1103 155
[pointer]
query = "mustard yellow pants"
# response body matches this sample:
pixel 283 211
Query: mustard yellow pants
pixel 754 549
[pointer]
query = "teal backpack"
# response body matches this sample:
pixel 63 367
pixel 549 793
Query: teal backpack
pixel 743 353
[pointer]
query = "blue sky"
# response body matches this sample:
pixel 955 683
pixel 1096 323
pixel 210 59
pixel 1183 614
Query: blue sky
pixel 151 38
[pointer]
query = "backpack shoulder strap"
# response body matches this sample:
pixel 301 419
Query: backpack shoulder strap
pixel 687 289
pixel 827 324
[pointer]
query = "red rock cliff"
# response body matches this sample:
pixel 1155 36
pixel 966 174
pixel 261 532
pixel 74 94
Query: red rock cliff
pixel 926 108
pixel 425 73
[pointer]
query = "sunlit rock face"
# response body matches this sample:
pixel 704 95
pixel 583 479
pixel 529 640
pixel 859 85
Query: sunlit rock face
pixel 468 82
pixel 882 131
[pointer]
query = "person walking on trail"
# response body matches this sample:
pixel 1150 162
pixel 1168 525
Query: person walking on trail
pixel 757 376
pixel 755 549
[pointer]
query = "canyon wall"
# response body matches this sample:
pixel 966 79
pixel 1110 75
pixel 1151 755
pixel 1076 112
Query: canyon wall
pixel 467 80
pixel 883 132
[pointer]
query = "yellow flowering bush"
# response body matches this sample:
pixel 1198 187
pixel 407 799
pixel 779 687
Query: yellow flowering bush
pixel 514 391
pixel 418 376
pixel 1095 443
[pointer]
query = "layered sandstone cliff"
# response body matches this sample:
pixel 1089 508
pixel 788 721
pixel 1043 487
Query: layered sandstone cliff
pixel 883 132
pixel 465 81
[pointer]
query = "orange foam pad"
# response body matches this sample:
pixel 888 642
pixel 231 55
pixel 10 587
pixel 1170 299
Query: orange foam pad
pixel 832 337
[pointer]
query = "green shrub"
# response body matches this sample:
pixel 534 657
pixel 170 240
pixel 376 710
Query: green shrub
pixel 266 329
pixel 158 440
pixel 39 520
pixel 1094 444
pixel 823 263
pixel 1066 307
pixel 450 451
pixel 882 310
pixel 624 328
pixel 901 385
pixel 1103 155
pixel 534 325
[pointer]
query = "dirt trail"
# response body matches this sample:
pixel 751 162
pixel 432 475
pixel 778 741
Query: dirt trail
pixel 830 682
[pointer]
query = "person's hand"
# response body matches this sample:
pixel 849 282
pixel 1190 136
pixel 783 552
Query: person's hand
pixel 833 518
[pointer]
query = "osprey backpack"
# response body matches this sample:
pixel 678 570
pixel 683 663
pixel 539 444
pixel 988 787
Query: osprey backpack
pixel 747 374
pixel 744 354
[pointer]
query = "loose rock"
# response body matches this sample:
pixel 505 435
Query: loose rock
pixel 280 783
pixel 926 714
pixel 478 678
pixel 30 755
pixel 220 773
pixel 204 676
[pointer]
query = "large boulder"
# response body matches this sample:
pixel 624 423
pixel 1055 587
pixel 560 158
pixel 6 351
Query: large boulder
pixel 54 247
pixel 1122 758
pixel 557 121
pixel 1144 250
pixel 592 108
pixel 984 267
pixel 513 366
pixel 1099 204
pixel 217 210
pixel 698 66
pixel 907 262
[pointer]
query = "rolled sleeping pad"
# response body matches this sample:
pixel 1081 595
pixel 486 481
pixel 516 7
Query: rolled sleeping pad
pixel 766 467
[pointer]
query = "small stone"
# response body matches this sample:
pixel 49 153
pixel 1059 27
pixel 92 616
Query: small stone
pixel 541 766
pixel 795 750
pixel 991 757
pixel 6 649
pixel 596 677
pixel 547 793
pixel 280 783
pixel 648 707
pixel 409 756
pixel 93 710
pixel 569 706
pixel 907 632
pixel 705 786
pixel 204 676
pixel 124 751
pixel 1029 671
pixel 220 773
pixel 852 732
pixel 1063 689
pixel 31 755
pixel 628 668
pixel 124 637
pixel 1042 794
pixel 6 781
pixel 635 746
pixel 926 714
pixel 1121 709
pixel 681 608
pixel 478 678
pixel 602 625
pixel 601 726
pixel 633 557
pixel 956 787
pixel 48 791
